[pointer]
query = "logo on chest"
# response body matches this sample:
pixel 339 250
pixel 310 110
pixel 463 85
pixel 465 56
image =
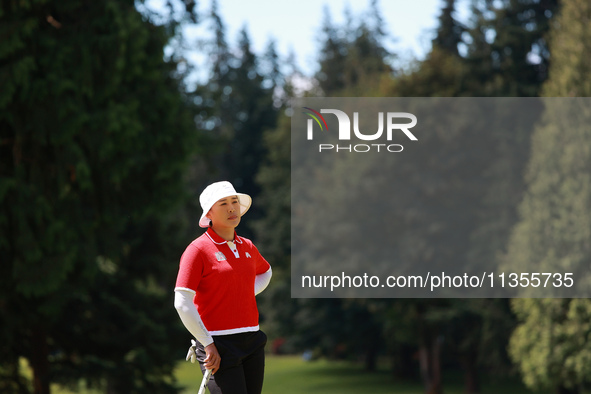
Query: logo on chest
pixel 220 256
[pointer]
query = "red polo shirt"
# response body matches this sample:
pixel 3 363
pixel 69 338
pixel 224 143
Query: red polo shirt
pixel 223 281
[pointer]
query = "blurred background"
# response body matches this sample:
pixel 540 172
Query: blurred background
pixel 115 114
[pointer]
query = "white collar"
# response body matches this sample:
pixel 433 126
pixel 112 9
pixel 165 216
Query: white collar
pixel 237 239
pixel 212 240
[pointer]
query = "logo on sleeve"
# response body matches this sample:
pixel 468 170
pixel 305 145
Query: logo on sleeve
pixel 248 255
pixel 220 256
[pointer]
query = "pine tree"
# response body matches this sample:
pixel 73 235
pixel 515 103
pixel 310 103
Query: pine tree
pixel 449 31
pixel 353 58
pixel 445 73
pixel 508 55
pixel 551 344
pixel 333 55
pixel 94 141
pixel 236 108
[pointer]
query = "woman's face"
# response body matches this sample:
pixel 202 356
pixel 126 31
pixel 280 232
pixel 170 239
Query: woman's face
pixel 225 212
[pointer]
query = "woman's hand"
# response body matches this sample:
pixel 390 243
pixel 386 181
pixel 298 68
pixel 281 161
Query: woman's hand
pixel 212 359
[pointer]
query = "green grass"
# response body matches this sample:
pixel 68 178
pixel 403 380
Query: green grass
pixel 288 375
pixel 291 375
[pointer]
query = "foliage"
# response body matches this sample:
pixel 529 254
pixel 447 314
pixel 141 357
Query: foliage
pixel 95 139
pixel 551 344
pixel 438 222
pixel 353 57
pixel 507 50
pixel 235 108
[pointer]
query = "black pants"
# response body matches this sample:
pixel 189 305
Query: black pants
pixel 242 367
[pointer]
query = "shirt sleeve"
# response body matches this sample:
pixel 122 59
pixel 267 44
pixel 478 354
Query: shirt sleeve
pixel 262 265
pixel 190 269
pixel 183 302
pixel 261 281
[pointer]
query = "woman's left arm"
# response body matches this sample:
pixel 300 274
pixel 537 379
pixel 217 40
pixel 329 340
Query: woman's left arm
pixel 261 281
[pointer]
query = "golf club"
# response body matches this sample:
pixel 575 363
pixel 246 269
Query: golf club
pixel 206 376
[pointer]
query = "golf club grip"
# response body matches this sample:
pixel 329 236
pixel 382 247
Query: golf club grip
pixel 204 381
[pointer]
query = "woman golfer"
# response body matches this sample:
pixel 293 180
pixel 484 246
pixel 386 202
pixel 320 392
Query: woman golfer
pixel 220 273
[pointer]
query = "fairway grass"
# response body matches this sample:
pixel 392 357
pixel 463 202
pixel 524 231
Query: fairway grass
pixel 288 375
pixel 291 375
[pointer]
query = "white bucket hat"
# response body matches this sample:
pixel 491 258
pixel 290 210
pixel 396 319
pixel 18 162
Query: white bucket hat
pixel 217 191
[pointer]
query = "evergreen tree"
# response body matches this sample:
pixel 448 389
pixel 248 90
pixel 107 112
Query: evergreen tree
pixel 271 72
pixel 253 113
pixel 449 31
pixel 353 57
pixel 273 233
pixel 333 55
pixel 551 344
pixel 438 75
pixel 508 55
pixel 236 107
pixel 472 328
pixel 443 72
pixel 95 138
pixel 446 74
pixel 350 58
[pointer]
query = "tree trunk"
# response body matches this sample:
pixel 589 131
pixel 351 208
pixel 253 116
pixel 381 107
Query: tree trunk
pixel 436 387
pixel 371 357
pixel 39 361
pixel 471 381
pixel 429 359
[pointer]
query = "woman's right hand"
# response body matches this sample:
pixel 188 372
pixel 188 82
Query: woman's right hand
pixel 212 359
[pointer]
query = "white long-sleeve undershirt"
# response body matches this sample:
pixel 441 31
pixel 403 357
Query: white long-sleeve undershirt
pixel 183 303
pixel 261 281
